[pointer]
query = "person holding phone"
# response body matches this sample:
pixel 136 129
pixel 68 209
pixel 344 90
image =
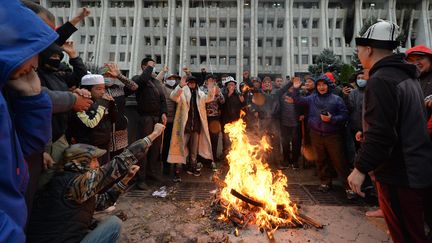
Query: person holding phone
pixel 327 116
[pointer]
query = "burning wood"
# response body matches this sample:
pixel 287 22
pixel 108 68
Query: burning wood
pixel 251 193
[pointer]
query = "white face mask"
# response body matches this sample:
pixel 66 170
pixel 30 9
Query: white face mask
pixel 361 83
pixel 170 82
pixel 109 81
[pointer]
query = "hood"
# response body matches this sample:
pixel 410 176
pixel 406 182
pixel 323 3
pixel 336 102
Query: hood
pixel 48 52
pixel 24 35
pixel 327 81
pixel 396 61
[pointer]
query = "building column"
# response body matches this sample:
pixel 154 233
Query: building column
pixel 391 7
pixel 254 38
pixel 240 34
pixel 134 63
pixel 324 23
pixel 184 40
pixel 358 19
pixel 101 40
pixel 288 47
pixel 423 29
pixel 170 52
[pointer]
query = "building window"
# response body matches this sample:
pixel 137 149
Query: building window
pixel 260 24
pixel 305 59
pixel 260 42
pixel 222 42
pixel 123 22
pixel 233 23
pixel 213 60
pixel 113 39
pixel 233 42
pixel 158 59
pixel 330 42
pixel 123 40
pixel 222 23
pixel 193 60
pixel 295 23
pixel 280 23
pixel 203 59
pixel 232 60
pixel 156 22
pixel 270 24
pixel 304 41
pixel 338 23
pixel 157 41
pixel 192 23
pixel 91 39
pixel 111 57
pixel 246 61
pixel 246 42
pixel 130 40
pixel 222 60
pixel 91 21
pixel 165 23
pixel 203 41
pixel 269 42
pixel 259 61
pixel 330 23
pixel 122 57
pixel 279 42
pixel 202 23
pixel 193 41
pixel 296 61
pixel 113 22
pixel 314 59
pixel 81 54
pixel 278 61
pixel 305 23
pixel 213 42
pixel 82 39
pixel 295 41
pixel 147 41
pixel 131 22
pixel 338 42
pixel 315 23
pixel 348 58
pixel 146 22
pixel 268 61
pixel 90 56
pixel 213 23
pixel 314 41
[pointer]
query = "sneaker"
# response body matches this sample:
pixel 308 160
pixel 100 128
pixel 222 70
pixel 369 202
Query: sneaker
pixel 197 173
pixel 177 178
pixel 189 170
pixel 324 188
pixel 199 166
pixel 110 209
pixel 214 166
pixel 350 194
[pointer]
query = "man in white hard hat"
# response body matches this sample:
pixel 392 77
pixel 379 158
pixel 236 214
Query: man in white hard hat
pixel 396 146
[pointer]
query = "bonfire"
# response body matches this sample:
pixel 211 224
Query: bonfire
pixel 251 193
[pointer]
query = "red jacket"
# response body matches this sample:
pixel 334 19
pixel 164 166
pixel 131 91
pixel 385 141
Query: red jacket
pixel 430 126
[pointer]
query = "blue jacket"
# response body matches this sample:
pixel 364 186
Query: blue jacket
pixel 326 102
pixel 23 35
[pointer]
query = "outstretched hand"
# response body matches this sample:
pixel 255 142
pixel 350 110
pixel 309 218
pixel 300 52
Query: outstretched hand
pixel 297 82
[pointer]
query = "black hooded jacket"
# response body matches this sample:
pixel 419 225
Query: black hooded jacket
pixel 396 143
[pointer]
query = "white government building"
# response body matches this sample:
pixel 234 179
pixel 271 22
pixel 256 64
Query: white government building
pixel 229 36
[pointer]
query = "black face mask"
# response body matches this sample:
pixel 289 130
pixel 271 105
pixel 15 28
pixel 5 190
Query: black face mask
pixel 53 64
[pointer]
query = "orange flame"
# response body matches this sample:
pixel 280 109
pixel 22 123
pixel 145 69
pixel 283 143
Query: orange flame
pixel 252 177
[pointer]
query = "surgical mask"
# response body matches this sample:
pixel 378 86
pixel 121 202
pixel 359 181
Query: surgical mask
pixel 171 82
pixel 361 83
pixel 109 81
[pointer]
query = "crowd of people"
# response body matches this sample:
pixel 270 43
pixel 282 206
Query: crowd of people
pixel 64 131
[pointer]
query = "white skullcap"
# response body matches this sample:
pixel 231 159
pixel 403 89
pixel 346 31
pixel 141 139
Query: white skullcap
pixel 382 35
pixel 228 79
pixel 92 79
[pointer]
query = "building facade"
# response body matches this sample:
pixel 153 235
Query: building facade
pixel 229 36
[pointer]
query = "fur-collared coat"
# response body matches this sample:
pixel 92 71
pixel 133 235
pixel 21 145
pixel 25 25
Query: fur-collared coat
pixel 178 152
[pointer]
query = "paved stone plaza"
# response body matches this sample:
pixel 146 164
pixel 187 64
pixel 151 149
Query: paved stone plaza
pixel 184 217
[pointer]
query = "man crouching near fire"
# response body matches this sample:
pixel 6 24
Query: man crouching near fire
pixel 396 146
pixel 63 210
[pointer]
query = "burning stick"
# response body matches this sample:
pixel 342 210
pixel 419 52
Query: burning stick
pixel 246 199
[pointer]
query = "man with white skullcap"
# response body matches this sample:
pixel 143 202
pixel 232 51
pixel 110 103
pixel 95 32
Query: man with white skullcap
pixel 396 147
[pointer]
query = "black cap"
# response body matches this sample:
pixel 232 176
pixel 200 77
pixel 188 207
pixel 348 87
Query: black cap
pixel 192 79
